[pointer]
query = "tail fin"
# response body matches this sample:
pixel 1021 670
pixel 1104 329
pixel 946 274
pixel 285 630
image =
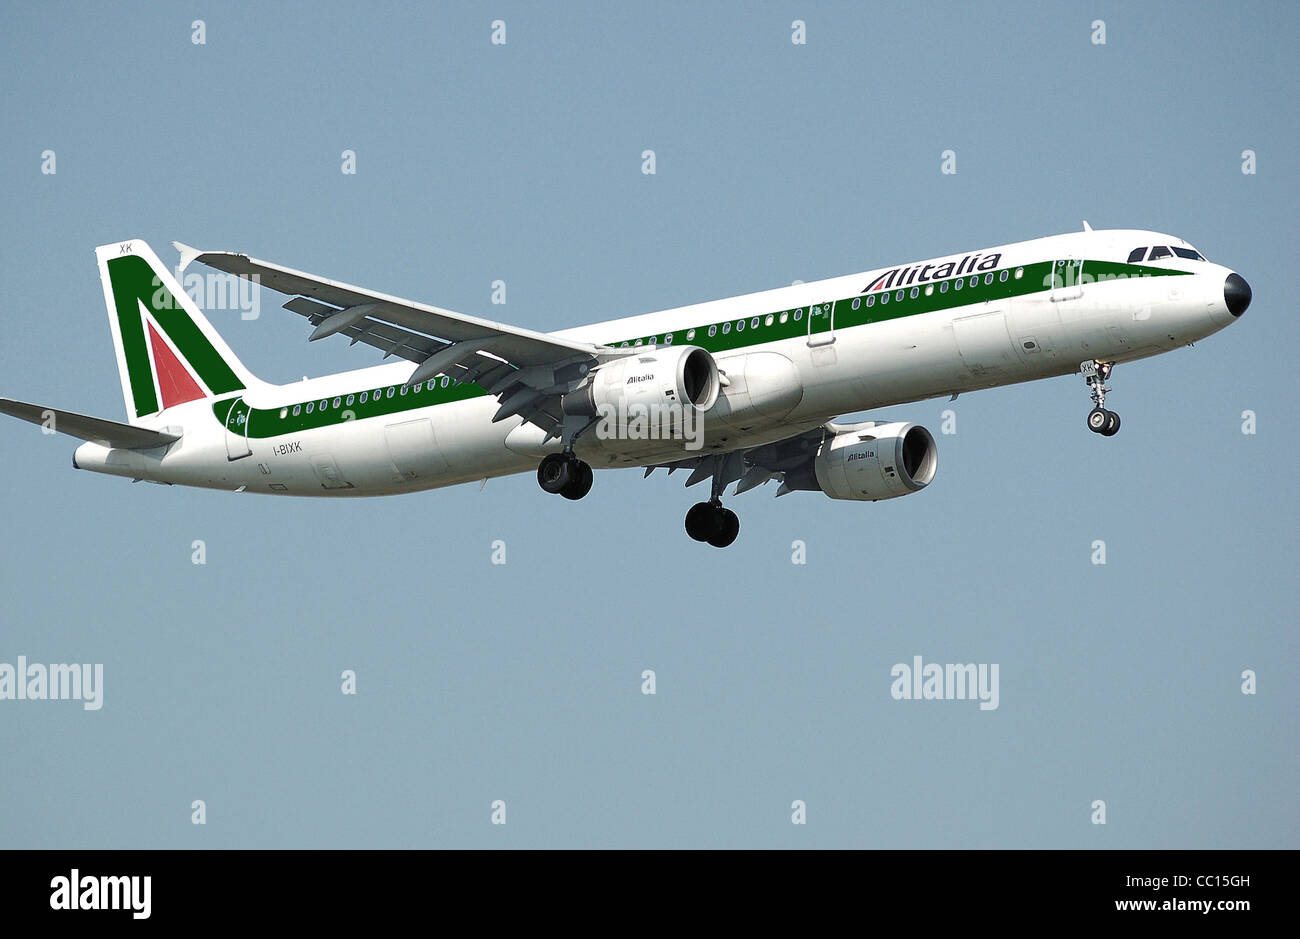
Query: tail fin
pixel 167 351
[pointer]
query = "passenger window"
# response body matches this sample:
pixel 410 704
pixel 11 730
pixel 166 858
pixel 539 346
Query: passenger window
pixel 1020 272
pixel 899 295
pixel 365 396
pixel 690 334
pixel 929 289
pixel 337 402
pixel 390 391
pixel 871 300
pixel 1136 255
pixel 988 278
pixel 916 292
pixel 943 288
pixel 769 320
pixel 1002 277
pixel 311 406
pixel 445 381
pixel 856 303
pixel 785 317
pixel 403 390
pixel 958 284
pixel 668 339
pixel 713 331
pixel 1158 252
pixel 324 405
pixel 798 315
pixel 284 412
pixel 740 326
pixel 297 409
pixel 884 297
pixel 351 400
pixel 975 281
pixel 726 328
pixel 639 342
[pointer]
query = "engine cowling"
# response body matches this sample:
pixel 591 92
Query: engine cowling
pixel 676 376
pixel 868 462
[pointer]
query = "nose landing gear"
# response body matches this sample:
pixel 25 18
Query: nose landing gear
pixel 1100 420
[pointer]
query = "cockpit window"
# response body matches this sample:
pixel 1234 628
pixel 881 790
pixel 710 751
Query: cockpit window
pixel 1190 253
pixel 1158 252
pixel 1136 255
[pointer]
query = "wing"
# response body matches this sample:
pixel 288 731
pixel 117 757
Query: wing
pixel 527 370
pixel 94 429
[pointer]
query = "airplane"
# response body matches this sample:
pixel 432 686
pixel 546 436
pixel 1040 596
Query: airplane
pixel 743 390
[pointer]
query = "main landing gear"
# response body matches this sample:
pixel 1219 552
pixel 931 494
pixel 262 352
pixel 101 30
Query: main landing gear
pixel 709 521
pixel 565 474
pixel 1100 421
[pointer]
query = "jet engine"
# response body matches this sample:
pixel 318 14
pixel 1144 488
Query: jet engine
pixel 679 377
pixel 868 462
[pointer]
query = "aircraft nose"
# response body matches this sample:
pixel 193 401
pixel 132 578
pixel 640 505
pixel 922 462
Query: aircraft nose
pixel 1236 294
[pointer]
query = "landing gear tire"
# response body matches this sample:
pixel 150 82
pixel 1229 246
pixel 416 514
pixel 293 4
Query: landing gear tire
pixel 711 523
pixel 1098 420
pixel 728 528
pixel 580 485
pixel 1112 425
pixel 703 522
pixel 557 471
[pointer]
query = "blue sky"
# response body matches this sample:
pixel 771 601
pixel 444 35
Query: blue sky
pixel 522 682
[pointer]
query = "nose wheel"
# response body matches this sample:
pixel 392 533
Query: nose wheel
pixel 566 475
pixel 1100 420
pixel 710 522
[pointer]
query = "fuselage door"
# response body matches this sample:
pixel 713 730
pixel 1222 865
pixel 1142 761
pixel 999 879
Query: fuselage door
pixel 237 420
pixel 1067 279
pixel 821 323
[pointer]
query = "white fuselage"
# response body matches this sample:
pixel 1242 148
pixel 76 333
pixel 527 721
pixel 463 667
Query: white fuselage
pixel 776 387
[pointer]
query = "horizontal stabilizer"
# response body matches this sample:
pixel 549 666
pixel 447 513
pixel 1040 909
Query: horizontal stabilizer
pixel 94 429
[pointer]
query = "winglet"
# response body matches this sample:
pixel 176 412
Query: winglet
pixel 188 255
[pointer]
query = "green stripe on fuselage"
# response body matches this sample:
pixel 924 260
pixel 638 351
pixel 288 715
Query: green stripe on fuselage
pixel 1034 278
